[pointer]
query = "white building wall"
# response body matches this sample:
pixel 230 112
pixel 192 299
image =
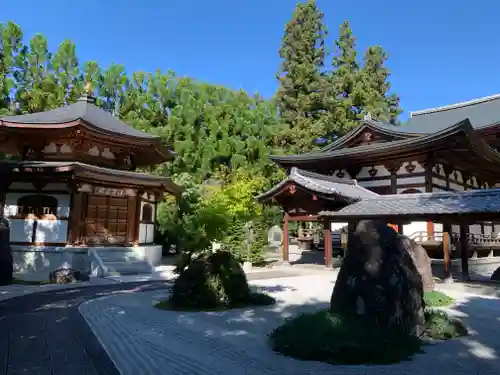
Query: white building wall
pixel 48 231
pixel 147 230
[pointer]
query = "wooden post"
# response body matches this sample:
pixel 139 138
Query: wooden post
pixel 284 253
pixel 446 252
pixel 76 230
pixel 327 232
pixel 428 165
pixel 132 220
pixel 464 250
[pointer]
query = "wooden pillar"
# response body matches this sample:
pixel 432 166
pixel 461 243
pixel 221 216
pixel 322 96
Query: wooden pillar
pixel 285 258
pixel 327 233
pixel 76 230
pixel 447 250
pixel 132 222
pixel 464 250
pixel 428 165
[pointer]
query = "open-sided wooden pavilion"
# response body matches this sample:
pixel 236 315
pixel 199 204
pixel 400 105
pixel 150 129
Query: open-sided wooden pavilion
pixel 451 148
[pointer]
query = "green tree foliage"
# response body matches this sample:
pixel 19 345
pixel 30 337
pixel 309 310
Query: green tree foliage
pixel 302 98
pixel 344 79
pixel 218 134
pixel 67 74
pixel 375 88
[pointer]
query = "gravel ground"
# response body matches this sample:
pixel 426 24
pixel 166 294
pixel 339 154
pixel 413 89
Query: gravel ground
pixel 143 340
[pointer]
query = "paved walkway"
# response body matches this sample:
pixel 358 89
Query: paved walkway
pixel 143 340
pixel 43 333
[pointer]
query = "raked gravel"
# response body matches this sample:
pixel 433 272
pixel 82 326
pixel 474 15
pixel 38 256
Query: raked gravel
pixel 143 340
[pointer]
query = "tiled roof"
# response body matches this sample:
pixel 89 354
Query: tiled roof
pixel 84 109
pixel 322 184
pixel 432 204
pixel 381 148
pixel 481 112
pixel 63 166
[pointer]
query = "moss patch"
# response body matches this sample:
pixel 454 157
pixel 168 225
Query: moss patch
pixel 437 299
pixel 441 326
pixel 326 337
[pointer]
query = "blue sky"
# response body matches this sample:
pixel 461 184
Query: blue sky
pixel 441 51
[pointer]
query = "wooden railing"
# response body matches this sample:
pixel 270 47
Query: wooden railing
pixel 476 239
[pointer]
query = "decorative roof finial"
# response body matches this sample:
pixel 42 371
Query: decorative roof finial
pixel 87 94
pixel 88 88
pixel 368 116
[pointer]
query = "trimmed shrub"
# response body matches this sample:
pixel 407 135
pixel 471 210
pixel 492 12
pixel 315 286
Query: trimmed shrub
pixel 213 281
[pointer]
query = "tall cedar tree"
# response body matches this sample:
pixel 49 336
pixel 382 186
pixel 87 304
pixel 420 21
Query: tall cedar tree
pixel 302 94
pixel 375 88
pixel 344 80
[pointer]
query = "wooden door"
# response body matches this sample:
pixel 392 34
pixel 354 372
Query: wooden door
pixel 106 221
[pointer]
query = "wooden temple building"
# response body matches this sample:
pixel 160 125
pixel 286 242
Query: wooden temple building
pixel 69 184
pixel 450 149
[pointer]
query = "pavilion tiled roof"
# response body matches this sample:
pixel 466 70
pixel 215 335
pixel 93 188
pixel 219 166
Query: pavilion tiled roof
pixel 421 205
pixel 84 109
pixel 322 184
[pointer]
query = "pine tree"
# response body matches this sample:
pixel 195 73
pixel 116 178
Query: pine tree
pixel 302 97
pixel 36 90
pixel 375 87
pixel 10 46
pixel 67 75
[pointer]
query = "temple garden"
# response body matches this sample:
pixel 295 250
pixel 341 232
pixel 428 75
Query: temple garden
pixel 381 311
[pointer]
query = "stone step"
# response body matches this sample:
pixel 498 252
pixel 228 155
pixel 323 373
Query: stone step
pixel 123 262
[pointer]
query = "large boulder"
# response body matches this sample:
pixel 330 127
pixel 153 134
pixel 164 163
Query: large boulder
pixel 6 261
pixel 422 262
pixel 378 282
pixel 495 276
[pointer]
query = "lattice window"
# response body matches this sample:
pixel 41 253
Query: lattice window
pixel 37 205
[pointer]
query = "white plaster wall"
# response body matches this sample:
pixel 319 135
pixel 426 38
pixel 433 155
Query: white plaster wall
pixel 336 227
pixel 150 233
pixel 475 229
pixel 51 231
pixel 381 171
pixel 414 227
pixel 21 230
pixel 146 233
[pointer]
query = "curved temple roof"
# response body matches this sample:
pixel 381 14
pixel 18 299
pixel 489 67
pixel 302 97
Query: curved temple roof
pixel 322 184
pixel 84 109
pixel 401 146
